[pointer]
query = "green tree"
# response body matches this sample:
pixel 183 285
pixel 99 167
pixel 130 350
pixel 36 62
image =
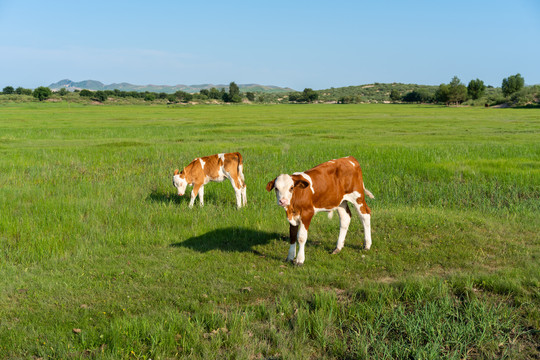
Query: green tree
pixel 457 91
pixel 476 89
pixel 442 95
pixel 310 95
pixel 349 99
pixel 183 96
pixel 512 84
pixel 200 96
pixel 62 92
pixel 418 96
pixel 295 96
pixel 149 96
pixel 8 90
pixel 214 93
pixel 236 98
pixel 42 93
pixel 395 95
pixel 23 91
pixel 86 93
pixel 250 96
pixel 100 96
pixel 234 94
pixel 233 89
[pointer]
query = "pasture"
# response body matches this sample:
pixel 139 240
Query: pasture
pixel 100 259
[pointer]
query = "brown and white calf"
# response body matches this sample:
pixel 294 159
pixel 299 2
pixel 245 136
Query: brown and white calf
pixel 217 167
pixel 326 187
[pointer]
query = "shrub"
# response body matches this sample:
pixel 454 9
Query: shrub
pixel 526 96
pixel 512 84
pixel 23 91
pixel 419 96
pixel 308 95
pixel 100 96
pixel 42 93
pixel 442 95
pixel 476 89
pixel 349 100
pixel 86 93
pixel 295 96
pixel 395 95
pixel 458 91
pixel 496 99
pixel 183 96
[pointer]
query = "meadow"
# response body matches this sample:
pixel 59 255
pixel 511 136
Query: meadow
pixel 99 258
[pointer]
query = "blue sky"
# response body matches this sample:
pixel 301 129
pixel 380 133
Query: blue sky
pixel 297 44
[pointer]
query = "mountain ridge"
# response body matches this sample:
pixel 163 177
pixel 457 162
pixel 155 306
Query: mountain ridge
pixel 169 89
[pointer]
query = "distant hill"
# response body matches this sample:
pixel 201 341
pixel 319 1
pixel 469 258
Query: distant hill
pixel 97 85
pixel 374 92
pixel 380 92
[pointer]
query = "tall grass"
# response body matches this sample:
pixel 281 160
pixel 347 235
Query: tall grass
pixel 93 237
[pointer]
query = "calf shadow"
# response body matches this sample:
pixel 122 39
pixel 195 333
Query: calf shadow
pixel 173 198
pixel 230 239
pixel 167 198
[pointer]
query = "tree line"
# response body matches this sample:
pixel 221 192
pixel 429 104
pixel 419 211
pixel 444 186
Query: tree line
pixel 455 92
pixel 233 95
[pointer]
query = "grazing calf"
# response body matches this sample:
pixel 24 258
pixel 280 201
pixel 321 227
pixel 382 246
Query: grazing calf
pixel 326 187
pixel 212 168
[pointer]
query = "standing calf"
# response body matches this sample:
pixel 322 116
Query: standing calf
pixel 212 168
pixel 326 187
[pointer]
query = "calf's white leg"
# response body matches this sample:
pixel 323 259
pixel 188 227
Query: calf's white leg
pixel 344 221
pixel 366 222
pixel 302 238
pixel 244 198
pixel 238 193
pixel 201 195
pixel 193 196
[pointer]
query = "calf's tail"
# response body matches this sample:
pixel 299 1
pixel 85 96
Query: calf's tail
pixel 241 169
pixel 367 192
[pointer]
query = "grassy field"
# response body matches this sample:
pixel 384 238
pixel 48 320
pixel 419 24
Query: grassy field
pixel 100 259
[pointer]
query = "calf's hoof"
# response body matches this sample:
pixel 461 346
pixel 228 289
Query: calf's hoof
pixel 296 263
pixel 336 251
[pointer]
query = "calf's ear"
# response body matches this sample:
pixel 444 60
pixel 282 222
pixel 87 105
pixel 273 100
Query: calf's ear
pixel 176 172
pixel 302 184
pixel 270 185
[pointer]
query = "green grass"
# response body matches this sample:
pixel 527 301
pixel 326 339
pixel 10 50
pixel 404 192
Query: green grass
pixel 93 237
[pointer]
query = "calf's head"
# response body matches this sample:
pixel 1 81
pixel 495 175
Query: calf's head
pixel 285 186
pixel 179 181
